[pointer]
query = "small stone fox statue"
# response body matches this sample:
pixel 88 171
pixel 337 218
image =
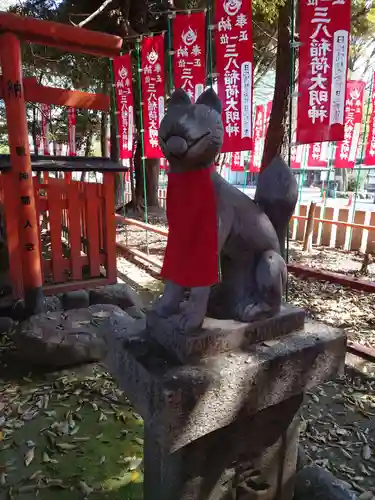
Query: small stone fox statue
pixel 213 225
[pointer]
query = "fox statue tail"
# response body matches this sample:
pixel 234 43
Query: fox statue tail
pixel 277 195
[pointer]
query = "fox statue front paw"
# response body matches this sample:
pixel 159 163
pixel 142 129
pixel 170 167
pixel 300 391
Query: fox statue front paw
pixel 187 321
pixel 257 311
pixel 166 308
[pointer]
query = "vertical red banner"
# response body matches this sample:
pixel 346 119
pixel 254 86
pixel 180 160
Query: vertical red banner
pixel 122 69
pixel 38 135
pixel 72 123
pixel 234 63
pixel 238 163
pixel 189 53
pixel 316 157
pixel 296 157
pixel 258 145
pixel 369 158
pixel 268 116
pixel 347 150
pixel 46 112
pixel 323 64
pixel 152 92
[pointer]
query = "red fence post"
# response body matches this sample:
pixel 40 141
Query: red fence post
pixel 13 94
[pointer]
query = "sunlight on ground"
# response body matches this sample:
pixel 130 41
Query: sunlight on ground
pixel 68 438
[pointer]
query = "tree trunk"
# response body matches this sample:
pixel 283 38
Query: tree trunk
pixel 104 143
pixel 88 146
pixel 152 168
pixel 278 119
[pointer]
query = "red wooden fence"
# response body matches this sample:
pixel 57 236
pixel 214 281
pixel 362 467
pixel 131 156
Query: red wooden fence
pixel 77 233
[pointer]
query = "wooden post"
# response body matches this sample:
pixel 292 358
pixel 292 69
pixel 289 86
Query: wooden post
pixel 307 242
pixel 21 173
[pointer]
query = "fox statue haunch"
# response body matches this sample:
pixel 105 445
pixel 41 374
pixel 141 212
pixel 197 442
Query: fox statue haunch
pixel 249 235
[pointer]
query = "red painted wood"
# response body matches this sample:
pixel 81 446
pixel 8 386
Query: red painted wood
pixel 83 260
pixel 92 221
pixel 82 194
pixel 37 187
pixel 361 351
pixel 11 228
pixel 23 190
pixel 71 286
pixel 101 214
pixel 74 230
pixel 340 279
pixel 62 97
pixel 54 209
pixel 61 35
pixel 109 224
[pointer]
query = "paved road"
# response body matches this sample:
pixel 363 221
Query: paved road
pixel 313 194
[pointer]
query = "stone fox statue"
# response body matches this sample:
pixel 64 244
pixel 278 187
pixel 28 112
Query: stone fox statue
pixel 213 225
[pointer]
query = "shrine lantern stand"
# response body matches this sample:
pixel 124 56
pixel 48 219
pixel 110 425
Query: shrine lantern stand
pixel 80 216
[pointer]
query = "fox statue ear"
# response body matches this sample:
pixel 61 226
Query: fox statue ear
pixel 179 98
pixel 210 99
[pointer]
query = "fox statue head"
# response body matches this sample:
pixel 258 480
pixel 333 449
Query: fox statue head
pixel 191 135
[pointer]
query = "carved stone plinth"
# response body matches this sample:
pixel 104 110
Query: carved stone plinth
pixel 211 422
pixel 219 336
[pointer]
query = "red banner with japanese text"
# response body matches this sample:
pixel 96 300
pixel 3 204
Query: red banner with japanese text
pixel 317 156
pixel 369 158
pixel 152 92
pixel 164 165
pixel 122 69
pixel 72 122
pixel 323 64
pixel 268 116
pixel 258 143
pixel 46 112
pixel 189 53
pixel 234 65
pixel 296 156
pixel 347 150
pixel 38 135
pixel 238 162
pixel 108 138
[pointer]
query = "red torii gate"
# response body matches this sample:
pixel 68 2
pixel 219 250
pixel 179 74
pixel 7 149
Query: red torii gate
pixel 22 224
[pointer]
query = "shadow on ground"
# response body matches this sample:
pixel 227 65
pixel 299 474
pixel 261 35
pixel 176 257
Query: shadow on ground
pixel 66 436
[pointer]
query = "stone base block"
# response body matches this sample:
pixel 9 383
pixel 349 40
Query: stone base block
pixel 182 403
pixel 214 466
pixel 221 336
pixel 61 339
pixel 272 474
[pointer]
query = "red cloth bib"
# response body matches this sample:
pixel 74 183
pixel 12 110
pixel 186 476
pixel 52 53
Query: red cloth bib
pixel 191 256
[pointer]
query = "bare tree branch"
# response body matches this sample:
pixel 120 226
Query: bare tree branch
pixel 94 14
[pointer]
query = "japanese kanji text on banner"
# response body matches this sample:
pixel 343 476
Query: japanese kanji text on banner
pixel 234 63
pixel 238 162
pixel 153 93
pixel 259 134
pixel 347 150
pixel 46 114
pixel 317 155
pixel 122 69
pixel 323 64
pixel 370 146
pixel 189 54
pixel 72 122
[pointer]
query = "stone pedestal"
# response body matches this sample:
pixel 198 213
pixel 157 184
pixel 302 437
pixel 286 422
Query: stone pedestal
pixel 220 421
